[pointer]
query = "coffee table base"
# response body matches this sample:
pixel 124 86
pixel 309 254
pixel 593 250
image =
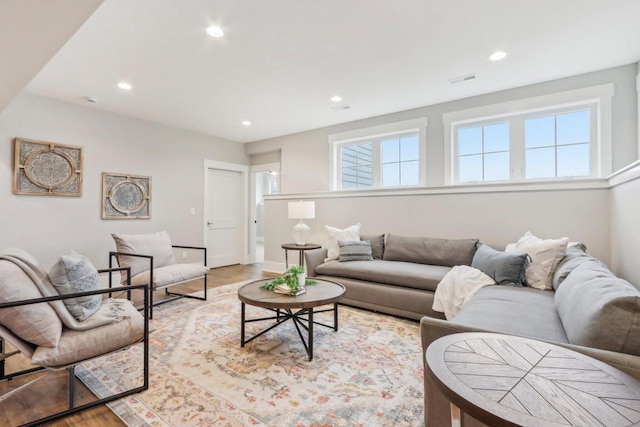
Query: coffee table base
pixel 283 315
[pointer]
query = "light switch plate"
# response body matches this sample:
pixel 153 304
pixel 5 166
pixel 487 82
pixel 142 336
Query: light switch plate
pixel 193 211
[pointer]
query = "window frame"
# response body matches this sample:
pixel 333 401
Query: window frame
pixel 597 99
pixel 376 135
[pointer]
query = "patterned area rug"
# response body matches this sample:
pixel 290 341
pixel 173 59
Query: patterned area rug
pixel 368 373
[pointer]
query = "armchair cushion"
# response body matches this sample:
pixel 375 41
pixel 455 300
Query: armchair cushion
pixel 157 245
pixel 36 323
pixel 75 346
pixel 170 274
pixel 74 273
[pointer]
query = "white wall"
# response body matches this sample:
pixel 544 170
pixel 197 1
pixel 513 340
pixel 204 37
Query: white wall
pixel 48 226
pixel 625 228
pixel 305 155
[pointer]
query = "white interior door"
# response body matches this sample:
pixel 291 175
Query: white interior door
pixel 224 218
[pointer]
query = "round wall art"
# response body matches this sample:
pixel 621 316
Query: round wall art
pixel 126 196
pixel 46 168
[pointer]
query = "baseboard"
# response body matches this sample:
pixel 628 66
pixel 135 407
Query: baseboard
pixel 274 267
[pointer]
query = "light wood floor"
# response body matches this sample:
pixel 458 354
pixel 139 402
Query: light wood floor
pixel 48 394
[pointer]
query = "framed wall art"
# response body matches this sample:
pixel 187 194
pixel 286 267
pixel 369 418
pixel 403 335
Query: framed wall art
pixel 126 196
pixel 46 168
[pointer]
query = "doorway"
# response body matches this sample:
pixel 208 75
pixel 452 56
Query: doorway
pixel 265 180
pixel 225 213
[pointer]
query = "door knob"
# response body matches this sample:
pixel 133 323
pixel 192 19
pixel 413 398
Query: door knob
pixel 209 222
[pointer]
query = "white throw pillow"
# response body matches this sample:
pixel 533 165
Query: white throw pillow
pixel 349 234
pixel 545 256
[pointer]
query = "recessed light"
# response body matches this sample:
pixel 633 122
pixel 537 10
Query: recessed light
pixel 125 86
pixel 246 123
pixel 214 31
pixel 336 98
pixel 497 56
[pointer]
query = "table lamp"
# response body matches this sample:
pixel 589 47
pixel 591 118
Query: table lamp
pixel 301 211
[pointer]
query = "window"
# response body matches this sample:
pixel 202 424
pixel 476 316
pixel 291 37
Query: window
pixel 384 156
pixel 564 135
pixel 483 153
pixel 357 165
pixel 558 145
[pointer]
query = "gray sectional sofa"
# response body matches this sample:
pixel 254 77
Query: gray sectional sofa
pixel 589 310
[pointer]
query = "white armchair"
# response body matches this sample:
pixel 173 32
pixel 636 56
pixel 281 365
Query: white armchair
pixel 152 263
pixel 36 320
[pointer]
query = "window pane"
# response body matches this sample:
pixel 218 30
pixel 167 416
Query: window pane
pixel 390 150
pixel 573 128
pixel 364 153
pixel 409 173
pixel 391 174
pixel 409 148
pixel 574 160
pixel 496 137
pixel 470 168
pixel 541 163
pixel 470 141
pixel 540 132
pixel 496 167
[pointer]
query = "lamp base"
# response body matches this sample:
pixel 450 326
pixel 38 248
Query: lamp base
pixel 301 233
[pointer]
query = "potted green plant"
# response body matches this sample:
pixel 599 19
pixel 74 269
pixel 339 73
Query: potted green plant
pixel 292 283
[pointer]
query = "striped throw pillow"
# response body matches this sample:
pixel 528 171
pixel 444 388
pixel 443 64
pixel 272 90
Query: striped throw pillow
pixel 355 251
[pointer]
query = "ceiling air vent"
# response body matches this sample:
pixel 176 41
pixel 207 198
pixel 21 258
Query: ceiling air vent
pixel 462 78
pixel 340 108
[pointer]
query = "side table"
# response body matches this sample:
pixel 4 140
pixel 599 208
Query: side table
pixel 503 380
pixel 301 248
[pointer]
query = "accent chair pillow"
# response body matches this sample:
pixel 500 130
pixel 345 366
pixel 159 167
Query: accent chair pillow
pixel 505 268
pixel 377 244
pixel 156 244
pixel 74 273
pixel 545 257
pixel 355 251
pixel 349 234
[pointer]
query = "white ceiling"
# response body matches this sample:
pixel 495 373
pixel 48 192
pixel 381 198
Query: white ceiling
pixel 281 60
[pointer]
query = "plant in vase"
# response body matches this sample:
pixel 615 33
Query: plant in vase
pixel 292 283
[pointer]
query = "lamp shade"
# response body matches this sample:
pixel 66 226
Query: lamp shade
pixel 302 210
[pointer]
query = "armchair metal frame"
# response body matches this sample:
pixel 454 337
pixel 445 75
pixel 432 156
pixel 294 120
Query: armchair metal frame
pixel 176 295
pixel 72 409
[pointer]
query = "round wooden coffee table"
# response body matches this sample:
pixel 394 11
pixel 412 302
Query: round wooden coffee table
pixel 324 293
pixel 503 380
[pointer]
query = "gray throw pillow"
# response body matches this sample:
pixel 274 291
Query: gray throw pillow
pixel 74 273
pixel 505 268
pixel 354 251
pixel 377 244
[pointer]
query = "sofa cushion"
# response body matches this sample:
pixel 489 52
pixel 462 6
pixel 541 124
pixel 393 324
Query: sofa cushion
pixel 349 234
pixel 80 345
pixel 505 268
pixel 157 245
pixel 426 250
pixel 512 310
pixel 170 274
pixel 599 309
pixel 74 273
pixel 377 244
pixel 574 256
pixel 545 257
pixel 36 323
pixel 399 273
pixel 355 251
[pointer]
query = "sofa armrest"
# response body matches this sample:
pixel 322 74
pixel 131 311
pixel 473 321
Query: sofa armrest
pixel 314 258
